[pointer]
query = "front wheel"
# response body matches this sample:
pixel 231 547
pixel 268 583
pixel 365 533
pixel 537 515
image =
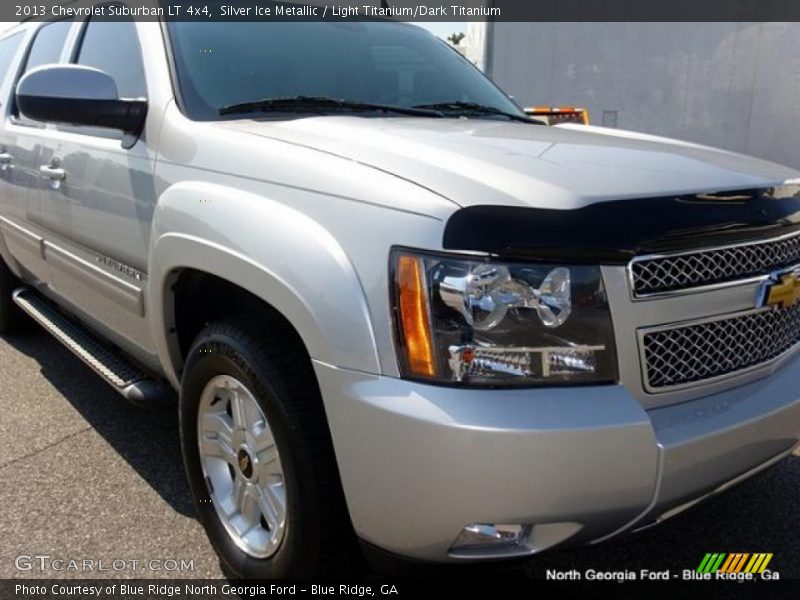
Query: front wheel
pixel 258 455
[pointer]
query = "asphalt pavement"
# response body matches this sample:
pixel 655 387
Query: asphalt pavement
pixel 86 477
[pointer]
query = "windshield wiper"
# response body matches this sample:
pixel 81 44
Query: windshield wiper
pixel 463 109
pixel 321 104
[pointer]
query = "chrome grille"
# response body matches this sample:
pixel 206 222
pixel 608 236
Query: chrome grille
pixel 701 351
pixel 686 271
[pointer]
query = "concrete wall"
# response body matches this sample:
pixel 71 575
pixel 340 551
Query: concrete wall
pixel 732 85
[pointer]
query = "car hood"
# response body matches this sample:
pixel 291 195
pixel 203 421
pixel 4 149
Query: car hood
pixel 484 162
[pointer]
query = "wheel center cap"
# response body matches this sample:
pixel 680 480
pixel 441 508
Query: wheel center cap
pixel 245 463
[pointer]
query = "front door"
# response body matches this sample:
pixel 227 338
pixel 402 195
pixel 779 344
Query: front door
pixel 97 201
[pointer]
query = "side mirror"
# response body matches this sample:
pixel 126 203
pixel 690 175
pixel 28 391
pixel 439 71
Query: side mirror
pixel 78 95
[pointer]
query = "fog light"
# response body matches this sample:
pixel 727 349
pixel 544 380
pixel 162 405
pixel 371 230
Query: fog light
pixel 469 361
pixel 483 539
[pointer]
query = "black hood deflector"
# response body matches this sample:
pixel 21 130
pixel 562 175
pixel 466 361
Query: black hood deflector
pixel 614 232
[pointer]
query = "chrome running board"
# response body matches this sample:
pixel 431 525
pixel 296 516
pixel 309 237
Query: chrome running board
pixel 108 362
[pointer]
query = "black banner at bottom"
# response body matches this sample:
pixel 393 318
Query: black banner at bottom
pixel 221 589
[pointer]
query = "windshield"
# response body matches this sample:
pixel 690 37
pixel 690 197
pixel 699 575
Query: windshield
pixel 222 65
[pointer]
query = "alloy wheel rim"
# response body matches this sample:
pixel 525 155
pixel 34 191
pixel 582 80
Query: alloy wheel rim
pixel 241 466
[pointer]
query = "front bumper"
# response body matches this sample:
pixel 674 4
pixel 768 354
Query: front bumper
pixel 418 463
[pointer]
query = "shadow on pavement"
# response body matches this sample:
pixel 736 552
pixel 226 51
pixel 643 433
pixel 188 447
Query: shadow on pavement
pixel 148 441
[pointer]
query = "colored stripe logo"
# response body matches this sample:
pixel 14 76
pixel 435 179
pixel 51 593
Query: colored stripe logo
pixel 738 562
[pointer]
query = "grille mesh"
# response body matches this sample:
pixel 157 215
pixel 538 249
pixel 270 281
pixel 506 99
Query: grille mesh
pixel 697 352
pixel 713 266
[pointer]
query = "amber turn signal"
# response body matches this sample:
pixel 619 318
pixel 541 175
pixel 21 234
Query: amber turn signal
pixel 414 318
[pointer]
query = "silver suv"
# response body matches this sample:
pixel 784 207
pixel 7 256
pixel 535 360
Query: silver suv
pixel 395 310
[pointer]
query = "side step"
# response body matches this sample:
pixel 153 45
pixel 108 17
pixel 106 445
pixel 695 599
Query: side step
pixel 113 366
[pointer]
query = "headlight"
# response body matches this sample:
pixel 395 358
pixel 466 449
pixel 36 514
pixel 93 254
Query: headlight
pixel 474 321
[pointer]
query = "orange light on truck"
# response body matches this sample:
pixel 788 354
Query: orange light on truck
pixel 414 317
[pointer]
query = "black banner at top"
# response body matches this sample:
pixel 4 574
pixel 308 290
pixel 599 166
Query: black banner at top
pixel 407 10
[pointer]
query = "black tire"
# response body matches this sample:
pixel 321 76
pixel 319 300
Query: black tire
pixel 12 318
pixel 318 539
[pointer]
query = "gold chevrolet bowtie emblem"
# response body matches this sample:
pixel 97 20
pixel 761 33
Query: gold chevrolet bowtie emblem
pixel 785 292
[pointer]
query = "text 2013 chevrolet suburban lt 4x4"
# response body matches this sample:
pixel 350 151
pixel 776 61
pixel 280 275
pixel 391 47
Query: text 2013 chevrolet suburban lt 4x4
pixel 396 310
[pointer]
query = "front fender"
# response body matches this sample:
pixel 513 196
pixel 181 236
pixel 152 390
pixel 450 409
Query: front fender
pixel 269 249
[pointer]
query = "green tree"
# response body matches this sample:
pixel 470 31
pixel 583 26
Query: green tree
pixel 456 38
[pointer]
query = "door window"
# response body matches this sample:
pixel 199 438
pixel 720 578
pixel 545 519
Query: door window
pixel 46 49
pixel 113 47
pixel 8 48
pixel 48 44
